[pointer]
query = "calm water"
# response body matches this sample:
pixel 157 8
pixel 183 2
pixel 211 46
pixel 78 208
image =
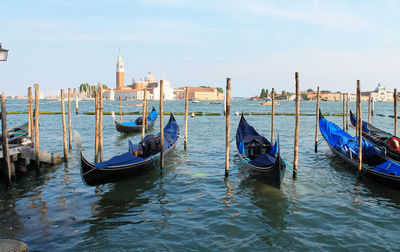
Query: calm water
pixel 192 207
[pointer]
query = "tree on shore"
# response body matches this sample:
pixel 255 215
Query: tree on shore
pixel 262 95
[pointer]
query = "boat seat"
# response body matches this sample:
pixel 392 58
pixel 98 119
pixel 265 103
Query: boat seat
pixel 132 147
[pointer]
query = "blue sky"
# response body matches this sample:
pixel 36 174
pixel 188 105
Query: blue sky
pixel 259 44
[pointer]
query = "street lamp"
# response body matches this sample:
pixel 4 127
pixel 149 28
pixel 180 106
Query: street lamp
pixel 3 54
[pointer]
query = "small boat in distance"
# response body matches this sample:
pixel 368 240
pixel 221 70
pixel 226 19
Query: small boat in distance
pixel 375 162
pixel 140 158
pixel 259 157
pixel 215 103
pixel 379 137
pixel 195 100
pixel 136 126
pixel 135 105
pixel 268 101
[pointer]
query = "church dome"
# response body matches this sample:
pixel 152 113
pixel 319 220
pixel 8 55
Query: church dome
pixel 150 77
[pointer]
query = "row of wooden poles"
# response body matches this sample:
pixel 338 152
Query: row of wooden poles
pixel 99 122
pixel 33 122
pixel 33 128
pixel 297 122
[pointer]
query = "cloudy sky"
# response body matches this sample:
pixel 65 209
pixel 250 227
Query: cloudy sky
pixel 259 44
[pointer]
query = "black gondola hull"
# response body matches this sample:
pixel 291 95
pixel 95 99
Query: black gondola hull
pixel 382 178
pixel 378 142
pixel 131 129
pixel 92 176
pixel 271 175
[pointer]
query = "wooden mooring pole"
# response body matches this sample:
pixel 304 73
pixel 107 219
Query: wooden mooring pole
pixel 316 122
pixel 120 110
pixel 186 115
pixel 30 114
pixel 144 115
pixel 347 112
pixel 272 114
pixel 64 126
pixel 77 105
pixel 359 126
pixel 4 129
pixel 96 141
pixel 227 124
pixel 372 107
pixel 297 128
pixel 37 125
pixel 369 109
pixel 162 126
pixel 100 93
pixel 395 111
pixel 146 103
pixel 344 107
pixel 69 120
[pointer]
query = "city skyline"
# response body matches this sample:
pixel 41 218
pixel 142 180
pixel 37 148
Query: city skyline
pixel 61 44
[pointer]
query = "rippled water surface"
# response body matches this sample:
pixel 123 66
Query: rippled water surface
pixel 192 207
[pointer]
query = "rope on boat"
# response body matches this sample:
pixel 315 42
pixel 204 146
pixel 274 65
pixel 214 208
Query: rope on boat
pixel 366 168
pixel 155 166
pixel 240 164
pixel 320 141
pixel 290 167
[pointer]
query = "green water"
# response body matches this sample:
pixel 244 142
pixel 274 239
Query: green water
pixel 192 207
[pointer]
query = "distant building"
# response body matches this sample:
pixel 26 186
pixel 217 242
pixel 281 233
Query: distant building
pixel 204 93
pixel 380 94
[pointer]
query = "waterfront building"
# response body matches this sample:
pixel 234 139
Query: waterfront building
pixel 380 94
pixel 205 93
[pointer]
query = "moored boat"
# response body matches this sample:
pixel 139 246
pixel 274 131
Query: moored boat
pixel 140 158
pixel 375 162
pixel 259 157
pixel 136 125
pixel 380 137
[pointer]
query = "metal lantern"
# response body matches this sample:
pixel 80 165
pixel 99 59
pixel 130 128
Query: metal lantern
pixel 3 54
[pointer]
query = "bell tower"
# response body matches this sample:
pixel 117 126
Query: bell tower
pixel 120 71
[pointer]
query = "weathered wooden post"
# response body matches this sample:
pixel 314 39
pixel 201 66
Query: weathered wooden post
pixel 120 110
pixel 77 106
pixel 100 93
pixel 4 130
pixel 30 114
pixel 317 121
pixel 69 119
pixel 96 141
pixel 144 115
pixel 344 119
pixel 186 115
pixel 395 111
pixel 227 124
pixel 146 105
pixel 359 126
pixel 297 128
pixel 369 109
pixel 272 114
pixel 372 106
pixel 37 125
pixel 347 112
pixel 162 126
pixel 64 126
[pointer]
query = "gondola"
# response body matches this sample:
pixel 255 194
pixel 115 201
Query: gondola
pixel 17 134
pixel 140 158
pixel 379 137
pixel 136 126
pixel 258 156
pixel 375 162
